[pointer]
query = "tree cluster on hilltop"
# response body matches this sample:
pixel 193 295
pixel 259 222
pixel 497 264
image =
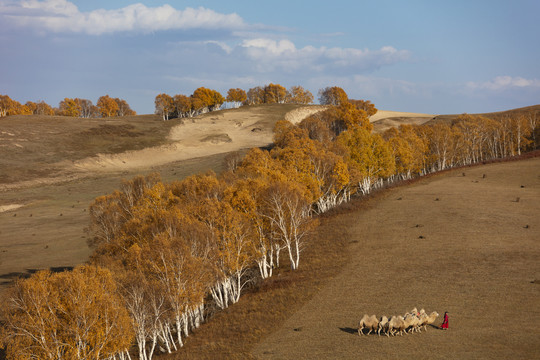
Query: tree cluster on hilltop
pixel 84 108
pixel 204 100
pixel 168 254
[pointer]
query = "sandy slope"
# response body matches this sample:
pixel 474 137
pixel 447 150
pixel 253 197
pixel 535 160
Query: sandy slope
pixel 384 114
pixel 384 120
pixel 198 137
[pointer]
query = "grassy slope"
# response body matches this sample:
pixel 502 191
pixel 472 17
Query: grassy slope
pixel 29 236
pixel 35 146
pixel 451 117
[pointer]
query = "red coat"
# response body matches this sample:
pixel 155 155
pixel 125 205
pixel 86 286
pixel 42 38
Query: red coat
pixel 444 325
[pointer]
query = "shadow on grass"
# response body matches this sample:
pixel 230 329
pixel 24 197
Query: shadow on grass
pixel 9 278
pixel 349 330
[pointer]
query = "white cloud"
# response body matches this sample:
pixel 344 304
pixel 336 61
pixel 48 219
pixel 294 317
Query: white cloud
pixel 64 16
pixel 270 54
pixel 504 82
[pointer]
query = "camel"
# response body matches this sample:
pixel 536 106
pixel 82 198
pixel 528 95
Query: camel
pixel 412 322
pixel 383 325
pixel 368 322
pixel 396 324
pixel 426 320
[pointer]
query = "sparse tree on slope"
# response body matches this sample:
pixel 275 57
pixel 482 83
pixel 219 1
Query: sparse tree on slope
pixel 236 96
pixel 332 96
pixel 299 95
pixel 164 105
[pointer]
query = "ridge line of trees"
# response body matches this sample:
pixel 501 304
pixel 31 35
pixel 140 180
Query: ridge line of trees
pixel 204 100
pixel 84 108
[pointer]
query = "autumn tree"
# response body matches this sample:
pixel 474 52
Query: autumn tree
pixel 7 105
pixel 107 106
pixel 369 157
pixel 345 117
pixel 236 96
pixel 164 105
pixel 87 109
pixel 255 96
pixel 288 213
pixel 183 105
pixel 275 94
pixel 123 108
pixel 69 315
pixel 206 100
pixel 408 149
pixel 39 108
pixel 69 107
pixel 299 95
pixel 365 105
pixel 317 128
pixel 332 96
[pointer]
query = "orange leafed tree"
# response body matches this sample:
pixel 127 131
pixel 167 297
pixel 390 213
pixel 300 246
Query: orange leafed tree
pixel 123 108
pixel 332 96
pixel 365 105
pixel 9 106
pixel 107 106
pixel 237 96
pixel 70 315
pixel 255 96
pixel 275 94
pixel 299 95
pixel 69 107
pixel 369 157
pixel 164 105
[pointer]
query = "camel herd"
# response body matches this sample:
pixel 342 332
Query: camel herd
pixel 410 322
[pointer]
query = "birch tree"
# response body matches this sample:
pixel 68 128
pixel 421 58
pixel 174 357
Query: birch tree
pixel 288 213
pixel 369 157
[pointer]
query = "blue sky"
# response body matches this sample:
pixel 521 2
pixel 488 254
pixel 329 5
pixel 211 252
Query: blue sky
pixel 421 56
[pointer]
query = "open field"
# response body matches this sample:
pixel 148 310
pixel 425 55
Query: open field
pixel 448 242
pixel 468 245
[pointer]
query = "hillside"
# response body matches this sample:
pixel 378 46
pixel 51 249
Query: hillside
pixel 52 168
pixel 383 120
pixel 55 148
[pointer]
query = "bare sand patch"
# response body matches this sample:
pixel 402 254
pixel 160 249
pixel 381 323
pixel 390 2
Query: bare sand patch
pixel 198 137
pixel 10 207
pixel 300 114
pixel 384 114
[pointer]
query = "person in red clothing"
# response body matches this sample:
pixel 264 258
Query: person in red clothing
pixel 444 325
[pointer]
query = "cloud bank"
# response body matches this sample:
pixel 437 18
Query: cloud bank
pixel 504 82
pixel 271 54
pixel 64 16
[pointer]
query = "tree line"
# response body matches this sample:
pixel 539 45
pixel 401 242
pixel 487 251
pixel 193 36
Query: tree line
pixel 167 254
pixel 106 106
pixel 204 100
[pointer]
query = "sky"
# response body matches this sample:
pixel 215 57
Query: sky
pixel 432 56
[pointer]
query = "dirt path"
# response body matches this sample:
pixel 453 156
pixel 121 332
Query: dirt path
pixel 469 245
